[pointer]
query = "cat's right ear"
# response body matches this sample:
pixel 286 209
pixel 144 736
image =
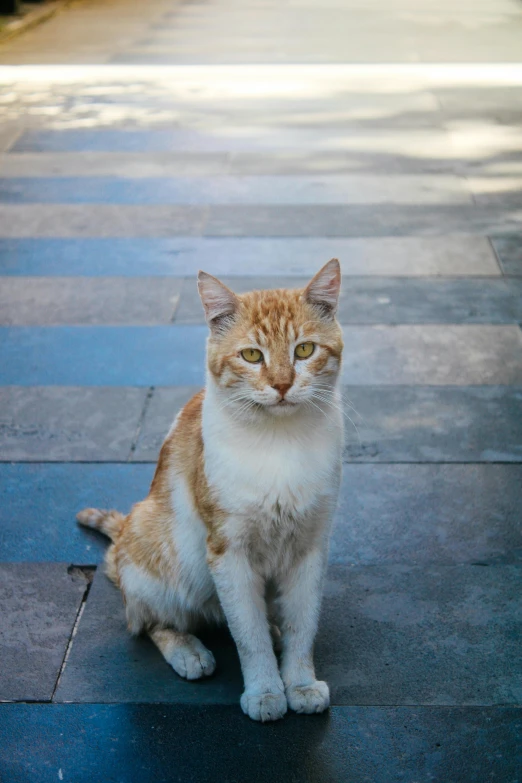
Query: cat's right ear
pixel 220 303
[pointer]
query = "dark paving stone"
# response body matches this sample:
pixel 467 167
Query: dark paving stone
pixel 132 301
pixel 509 252
pixel 39 603
pixel 63 424
pixel 174 355
pixel 445 189
pixel 138 743
pixel 387 513
pixel 102 356
pixel 127 669
pixel 392 635
pixel 394 300
pixel 183 256
pixel 42 500
pixel 431 514
pixel 393 423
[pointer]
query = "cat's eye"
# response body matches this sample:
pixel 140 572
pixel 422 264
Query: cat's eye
pixel 304 350
pixel 252 355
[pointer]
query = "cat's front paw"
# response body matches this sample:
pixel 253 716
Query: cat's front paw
pixel 308 699
pixel 270 705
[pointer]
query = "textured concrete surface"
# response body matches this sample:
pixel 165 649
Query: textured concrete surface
pixel 256 140
pixel 52 423
pixel 153 742
pixel 181 256
pixel 388 636
pixel 35 301
pixel 39 604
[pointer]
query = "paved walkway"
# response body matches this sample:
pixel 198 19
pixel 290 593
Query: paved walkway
pixel 256 140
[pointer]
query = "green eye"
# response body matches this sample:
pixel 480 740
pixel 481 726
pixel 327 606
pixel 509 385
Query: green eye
pixel 252 355
pixel 304 350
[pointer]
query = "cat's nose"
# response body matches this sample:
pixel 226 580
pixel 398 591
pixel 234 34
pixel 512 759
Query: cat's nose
pixel 282 388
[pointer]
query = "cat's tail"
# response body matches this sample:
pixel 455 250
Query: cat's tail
pixel 108 522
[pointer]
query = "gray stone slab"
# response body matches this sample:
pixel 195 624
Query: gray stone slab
pixel 39 503
pixel 126 669
pixel 428 514
pixel 393 423
pixel 397 635
pixel 432 355
pixel 148 743
pixel 39 604
pixel 27 301
pixel 398 256
pixel 393 300
pixel 509 252
pixel 55 424
pixel 330 189
pixel 247 220
pixel 388 636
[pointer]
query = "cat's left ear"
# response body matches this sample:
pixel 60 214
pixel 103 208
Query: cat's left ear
pixel 220 302
pixel 323 290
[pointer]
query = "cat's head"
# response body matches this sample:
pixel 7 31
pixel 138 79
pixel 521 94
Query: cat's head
pixel 273 352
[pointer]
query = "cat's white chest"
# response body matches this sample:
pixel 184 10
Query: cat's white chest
pixel 271 475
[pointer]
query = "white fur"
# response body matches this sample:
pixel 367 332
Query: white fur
pixel 277 478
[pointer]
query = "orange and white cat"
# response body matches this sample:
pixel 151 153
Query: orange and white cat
pixel 236 525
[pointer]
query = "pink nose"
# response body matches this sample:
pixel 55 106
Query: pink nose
pixel 282 388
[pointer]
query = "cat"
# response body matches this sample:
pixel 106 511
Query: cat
pixel 236 525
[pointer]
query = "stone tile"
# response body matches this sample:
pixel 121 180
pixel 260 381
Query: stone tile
pixel 102 356
pixel 164 405
pixel 39 301
pixel 359 744
pixel 175 355
pixel 509 252
pixel 54 424
pixel 401 634
pixel 247 220
pixel 433 424
pixel 42 500
pixel 325 190
pixel 39 604
pixel 381 220
pixel 428 514
pixel 393 423
pixel 393 300
pixel 127 669
pixel 432 355
pixel 100 220
pixel 404 256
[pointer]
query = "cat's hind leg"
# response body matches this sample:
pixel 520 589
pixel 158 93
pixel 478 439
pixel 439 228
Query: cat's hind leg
pixel 184 652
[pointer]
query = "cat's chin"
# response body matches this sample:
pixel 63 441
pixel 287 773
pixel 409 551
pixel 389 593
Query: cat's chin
pixel 282 408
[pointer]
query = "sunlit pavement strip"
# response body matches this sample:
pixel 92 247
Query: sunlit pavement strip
pixel 119 179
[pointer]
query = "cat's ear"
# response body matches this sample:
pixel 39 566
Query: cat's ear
pixel 323 289
pixel 220 302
